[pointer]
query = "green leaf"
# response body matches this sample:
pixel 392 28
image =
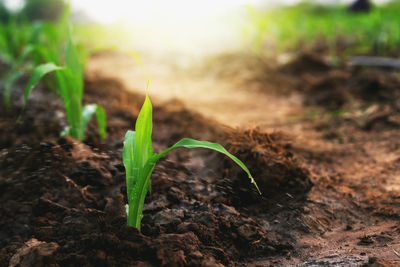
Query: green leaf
pixel 37 75
pixel 73 107
pixel 70 83
pixel 138 195
pixel 27 50
pixel 144 128
pixel 3 43
pixel 10 80
pixel 73 64
pixel 191 143
pixel 101 121
pixel 127 157
pixel 138 175
pixel 88 112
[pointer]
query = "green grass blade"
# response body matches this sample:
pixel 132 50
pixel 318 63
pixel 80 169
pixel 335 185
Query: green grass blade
pixel 88 111
pixel 191 143
pixel 38 73
pixel 10 80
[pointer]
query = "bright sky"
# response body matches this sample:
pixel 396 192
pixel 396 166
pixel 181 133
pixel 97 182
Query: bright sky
pixel 153 11
pixel 170 11
pixel 156 11
pixel 187 26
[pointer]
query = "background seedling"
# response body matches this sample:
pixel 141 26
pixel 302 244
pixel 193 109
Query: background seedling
pixel 69 85
pixel 139 161
pixel 25 44
pixel 17 39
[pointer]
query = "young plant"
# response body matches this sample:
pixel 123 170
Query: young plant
pixel 16 44
pixel 25 45
pixel 139 161
pixel 69 85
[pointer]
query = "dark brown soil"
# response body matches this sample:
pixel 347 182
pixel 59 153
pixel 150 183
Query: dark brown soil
pixel 279 172
pixel 330 183
pixel 62 201
pixel 320 84
pixel 347 136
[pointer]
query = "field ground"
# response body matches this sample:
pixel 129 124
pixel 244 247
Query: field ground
pixel 323 144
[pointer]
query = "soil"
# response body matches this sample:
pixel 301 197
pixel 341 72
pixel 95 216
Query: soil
pixel 330 182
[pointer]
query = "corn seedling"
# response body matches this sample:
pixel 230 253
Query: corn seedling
pixel 42 41
pixel 69 85
pixel 139 161
pixel 16 44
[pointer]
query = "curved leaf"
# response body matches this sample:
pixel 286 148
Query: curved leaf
pixel 38 73
pixel 191 143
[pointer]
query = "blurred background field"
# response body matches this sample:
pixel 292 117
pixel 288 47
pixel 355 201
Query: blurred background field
pixel 185 48
pixel 332 27
pixel 196 29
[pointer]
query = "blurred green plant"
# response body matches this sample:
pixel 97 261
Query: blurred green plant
pixel 50 46
pixel 24 45
pixel 377 31
pixel 68 83
pixel 17 43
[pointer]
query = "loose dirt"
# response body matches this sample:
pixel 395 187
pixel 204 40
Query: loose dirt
pixel 330 179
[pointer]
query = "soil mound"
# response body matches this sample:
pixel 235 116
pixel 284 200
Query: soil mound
pixel 375 85
pixel 276 170
pixel 329 92
pixel 335 89
pixel 305 63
